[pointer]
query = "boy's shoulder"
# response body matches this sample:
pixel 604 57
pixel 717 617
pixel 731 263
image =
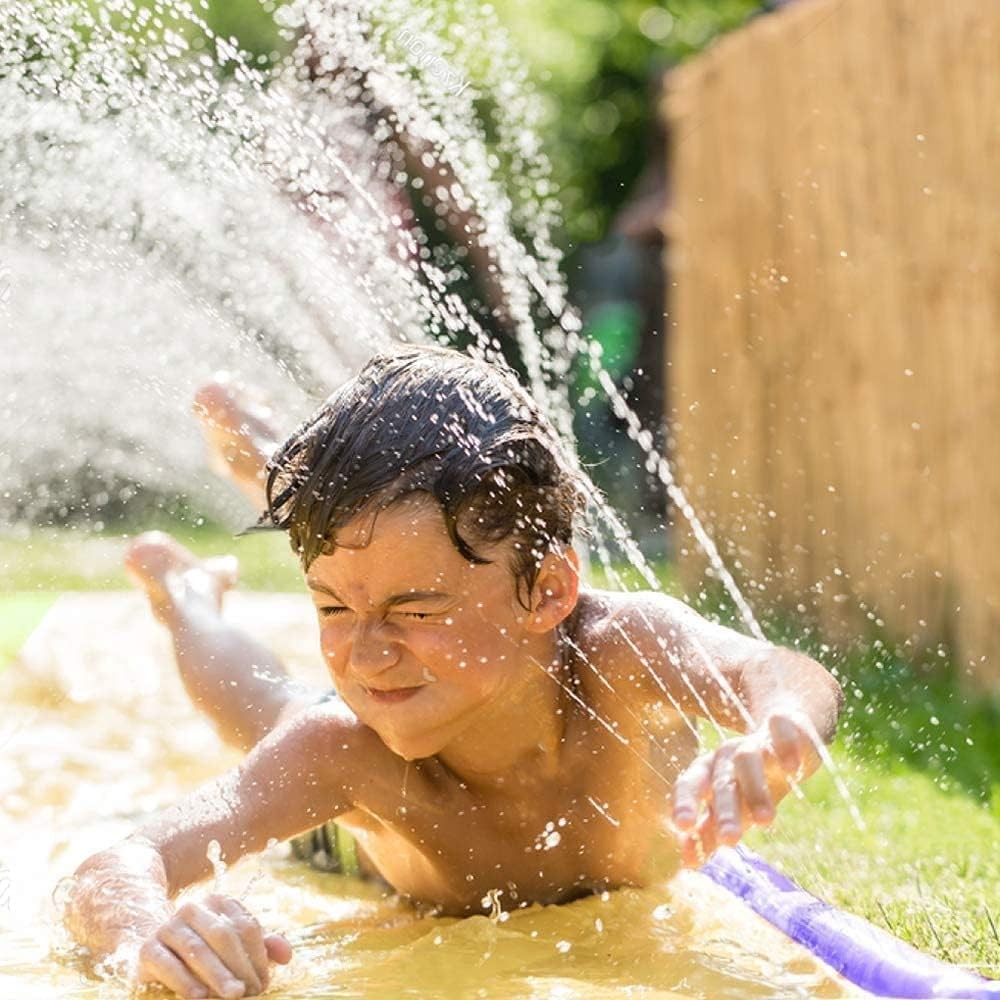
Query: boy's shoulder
pixel 618 629
pixel 628 650
pixel 603 615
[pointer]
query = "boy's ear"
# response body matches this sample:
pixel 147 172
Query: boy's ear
pixel 556 590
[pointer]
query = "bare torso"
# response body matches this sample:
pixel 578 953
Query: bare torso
pixel 590 823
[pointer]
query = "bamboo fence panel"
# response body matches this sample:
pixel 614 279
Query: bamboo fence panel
pixel 834 363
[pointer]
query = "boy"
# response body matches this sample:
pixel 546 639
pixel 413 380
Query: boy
pixel 497 727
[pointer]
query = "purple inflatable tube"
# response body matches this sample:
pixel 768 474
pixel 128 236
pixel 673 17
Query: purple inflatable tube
pixel 862 953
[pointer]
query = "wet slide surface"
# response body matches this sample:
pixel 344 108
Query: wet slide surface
pixel 96 733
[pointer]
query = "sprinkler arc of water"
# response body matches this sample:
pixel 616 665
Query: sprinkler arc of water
pixel 522 272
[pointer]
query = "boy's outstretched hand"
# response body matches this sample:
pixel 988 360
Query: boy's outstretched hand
pixel 727 790
pixel 211 948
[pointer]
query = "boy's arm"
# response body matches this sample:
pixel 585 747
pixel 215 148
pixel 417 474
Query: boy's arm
pixel 293 778
pixel 786 703
pixel 704 669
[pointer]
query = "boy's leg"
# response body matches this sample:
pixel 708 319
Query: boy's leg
pixel 238 683
pixel 239 433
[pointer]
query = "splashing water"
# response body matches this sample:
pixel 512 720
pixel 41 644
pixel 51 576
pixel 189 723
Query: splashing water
pixel 193 220
pixel 214 854
pixel 170 208
pixel 181 199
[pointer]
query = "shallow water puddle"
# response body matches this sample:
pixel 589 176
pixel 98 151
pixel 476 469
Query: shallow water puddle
pixel 96 732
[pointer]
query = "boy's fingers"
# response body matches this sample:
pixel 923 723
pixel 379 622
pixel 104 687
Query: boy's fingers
pixel 709 833
pixel 201 960
pixel 690 790
pixel 752 781
pixel 250 934
pixel 698 846
pixel 230 946
pixel 158 964
pixel 693 850
pixel 726 805
pixel 786 739
pixel 278 949
pixel 692 853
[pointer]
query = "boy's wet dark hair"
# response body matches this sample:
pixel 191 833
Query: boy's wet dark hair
pixel 423 419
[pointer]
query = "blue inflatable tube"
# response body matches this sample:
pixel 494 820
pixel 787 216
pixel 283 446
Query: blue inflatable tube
pixel 862 953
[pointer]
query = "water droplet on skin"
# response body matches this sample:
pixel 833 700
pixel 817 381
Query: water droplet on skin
pixel 491 902
pixel 214 854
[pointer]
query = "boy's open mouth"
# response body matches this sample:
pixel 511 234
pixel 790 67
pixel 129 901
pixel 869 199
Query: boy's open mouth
pixel 391 695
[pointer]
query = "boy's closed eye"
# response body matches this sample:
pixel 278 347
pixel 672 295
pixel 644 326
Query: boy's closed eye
pixel 331 611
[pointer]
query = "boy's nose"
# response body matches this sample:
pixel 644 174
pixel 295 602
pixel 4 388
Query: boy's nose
pixel 371 653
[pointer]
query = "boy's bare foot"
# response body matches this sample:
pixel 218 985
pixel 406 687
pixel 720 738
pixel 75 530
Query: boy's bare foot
pixel 175 580
pixel 239 432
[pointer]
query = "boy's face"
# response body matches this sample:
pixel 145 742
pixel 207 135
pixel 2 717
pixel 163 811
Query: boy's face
pixel 418 640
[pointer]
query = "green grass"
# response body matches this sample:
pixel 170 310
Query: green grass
pixel 19 614
pixel 58 560
pixel 925 867
pixel 921 761
pixel 36 568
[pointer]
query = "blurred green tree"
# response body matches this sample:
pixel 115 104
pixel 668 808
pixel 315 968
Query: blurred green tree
pixel 593 60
